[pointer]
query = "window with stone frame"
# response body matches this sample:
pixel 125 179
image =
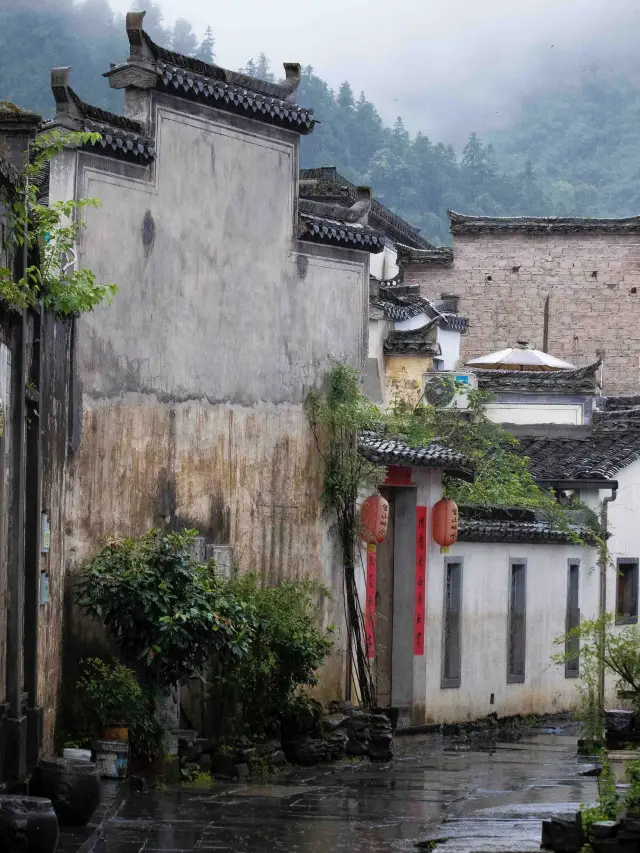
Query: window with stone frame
pixel 572 645
pixel 517 624
pixel 627 591
pixel 452 624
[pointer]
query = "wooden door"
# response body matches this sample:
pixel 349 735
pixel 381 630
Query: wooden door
pixel 384 608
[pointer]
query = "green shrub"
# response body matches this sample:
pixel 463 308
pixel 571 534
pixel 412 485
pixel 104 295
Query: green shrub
pixel 608 807
pixel 632 799
pixel 166 612
pixel 287 649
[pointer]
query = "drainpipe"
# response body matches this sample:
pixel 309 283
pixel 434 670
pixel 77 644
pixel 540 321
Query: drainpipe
pixel 604 525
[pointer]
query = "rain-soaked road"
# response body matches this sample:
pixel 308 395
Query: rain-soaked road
pixel 473 795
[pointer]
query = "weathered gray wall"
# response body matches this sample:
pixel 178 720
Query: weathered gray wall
pixel 194 379
pixel 54 415
pixel 592 280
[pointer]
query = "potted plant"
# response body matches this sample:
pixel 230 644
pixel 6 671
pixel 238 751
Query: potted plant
pixel 110 696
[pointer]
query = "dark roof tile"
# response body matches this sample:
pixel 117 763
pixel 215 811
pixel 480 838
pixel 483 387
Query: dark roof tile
pixel 234 98
pixel 429 255
pixel 420 341
pixel 328 185
pixel 399 302
pixel 386 450
pixel 598 456
pixel 347 235
pixel 583 380
pixel 475 530
pixel 463 224
pixel 150 65
pixel 617 414
pixel 120 136
pixel 506 524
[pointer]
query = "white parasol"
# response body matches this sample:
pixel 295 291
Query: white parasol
pixel 521 357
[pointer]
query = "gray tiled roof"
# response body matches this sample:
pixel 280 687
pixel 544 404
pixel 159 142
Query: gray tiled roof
pixel 437 257
pixel 617 414
pixel 420 341
pixel 463 224
pixel 598 456
pixel 234 98
pixel 357 212
pixel 120 136
pixel 348 235
pixel 583 380
pixel 476 530
pixel 386 450
pixel 327 184
pixel 219 87
pixel 499 524
pixel 403 301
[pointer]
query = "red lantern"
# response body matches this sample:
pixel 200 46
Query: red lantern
pixel 445 522
pixel 374 517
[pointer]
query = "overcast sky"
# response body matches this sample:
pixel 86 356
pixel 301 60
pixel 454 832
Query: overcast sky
pixel 447 67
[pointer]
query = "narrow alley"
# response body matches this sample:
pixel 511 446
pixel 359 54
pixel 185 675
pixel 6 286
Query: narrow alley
pixel 471 794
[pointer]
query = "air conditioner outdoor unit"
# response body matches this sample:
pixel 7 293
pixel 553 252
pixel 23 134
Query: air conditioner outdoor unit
pixel 448 389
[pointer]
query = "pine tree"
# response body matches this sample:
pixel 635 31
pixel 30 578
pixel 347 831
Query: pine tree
pixel 473 155
pixel 262 68
pixel 346 100
pixel 183 38
pixel 400 132
pixel 250 68
pixel 206 50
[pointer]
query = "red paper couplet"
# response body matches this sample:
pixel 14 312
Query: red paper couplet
pixel 421 580
pixel 370 610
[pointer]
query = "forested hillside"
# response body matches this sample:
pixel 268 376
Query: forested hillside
pixel 573 151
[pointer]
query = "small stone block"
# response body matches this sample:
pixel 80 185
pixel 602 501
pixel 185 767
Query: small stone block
pixel 618 720
pixel 563 835
pixel 604 829
pixel 630 825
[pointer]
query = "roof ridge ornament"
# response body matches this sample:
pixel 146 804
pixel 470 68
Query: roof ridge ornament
pixel 139 71
pixel 67 112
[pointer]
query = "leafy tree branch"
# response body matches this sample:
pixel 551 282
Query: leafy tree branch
pixel 51 233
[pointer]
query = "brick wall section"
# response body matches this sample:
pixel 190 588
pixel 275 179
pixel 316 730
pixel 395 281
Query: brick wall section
pixel 587 312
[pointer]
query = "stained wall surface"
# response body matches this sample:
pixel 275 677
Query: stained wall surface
pixel 592 281
pixel 193 381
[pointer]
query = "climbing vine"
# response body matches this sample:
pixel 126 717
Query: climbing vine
pixel 50 232
pixel 337 416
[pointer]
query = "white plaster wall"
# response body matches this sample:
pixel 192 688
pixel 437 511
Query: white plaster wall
pixel 219 304
pixel 624 526
pixel 384 265
pixel 450 348
pixel 624 516
pixel 540 413
pixel 485 603
pixel 412 323
pixel 377 333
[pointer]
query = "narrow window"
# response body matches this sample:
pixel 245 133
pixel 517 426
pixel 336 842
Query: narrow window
pixel 451 654
pixel 572 646
pixel 627 592
pixel 517 621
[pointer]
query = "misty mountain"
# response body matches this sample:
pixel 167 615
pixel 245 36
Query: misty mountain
pixel 569 148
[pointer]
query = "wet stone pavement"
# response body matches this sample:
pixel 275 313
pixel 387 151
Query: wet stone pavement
pixel 472 795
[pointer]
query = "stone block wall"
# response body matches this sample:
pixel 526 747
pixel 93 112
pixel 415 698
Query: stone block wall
pixel 592 281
